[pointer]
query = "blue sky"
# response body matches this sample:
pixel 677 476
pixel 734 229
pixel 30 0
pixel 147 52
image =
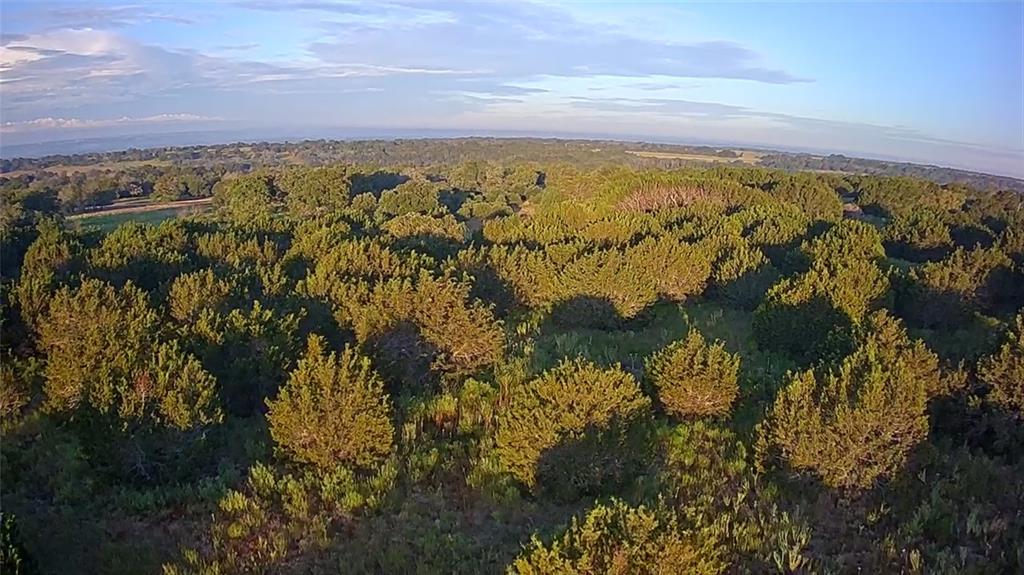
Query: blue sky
pixel 934 82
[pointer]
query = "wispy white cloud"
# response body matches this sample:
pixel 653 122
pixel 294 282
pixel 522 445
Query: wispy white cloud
pixel 73 67
pixel 80 124
pixel 238 47
pixel 356 15
pixel 82 14
pixel 515 40
pixel 410 63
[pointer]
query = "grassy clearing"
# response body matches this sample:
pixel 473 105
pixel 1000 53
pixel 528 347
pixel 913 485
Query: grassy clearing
pixel 761 372
pixel 662 324
pixel 746 156
pixel 126 205
pixel 629 347
pixel 107 221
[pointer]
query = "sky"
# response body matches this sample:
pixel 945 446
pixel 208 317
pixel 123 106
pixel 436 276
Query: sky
pixel 930 82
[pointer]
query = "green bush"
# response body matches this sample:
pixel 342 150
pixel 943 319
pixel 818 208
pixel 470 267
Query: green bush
pixel 964 519
pixel 773 226
pixel 310 192
pixel 332 411
pixel 148 256
pixel 619 539
pixel 853 426
pixel 104 354
pixel 430 321
pixel 237 250
pixel 435 236
pixel 694 379
pixel 675 270
pixel 14 560
pixel 814 197
pixel 707 480
pixel 247 201
pixel 278 516
pixel 810 316
pixel 49 260
pixel 742 275
pixel 610 276
pixel 250 352
pixel 192 293
pixel 845 241
pixel 358 261
pixel 901 196
pixel 20 380
pixel 1003 372
pixel 917 237
pixel 564 405
pixel 946 293
pixel 412 197
pixel 312 238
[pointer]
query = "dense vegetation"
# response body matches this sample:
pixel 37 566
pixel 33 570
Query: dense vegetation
pixel 841 163
pixel 87 180
pixel 511 366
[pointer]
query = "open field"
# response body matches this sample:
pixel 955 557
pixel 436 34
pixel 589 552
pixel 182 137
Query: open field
pixel 136 205
pixel 746 156
pixel 145 213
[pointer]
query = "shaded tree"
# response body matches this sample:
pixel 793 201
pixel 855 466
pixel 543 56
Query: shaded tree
pixel 332 411
pixel 855 425
pixel 694 379
pixel 105 355
pixel 564 404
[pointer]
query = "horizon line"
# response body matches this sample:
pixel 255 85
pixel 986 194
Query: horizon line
pixel 236 136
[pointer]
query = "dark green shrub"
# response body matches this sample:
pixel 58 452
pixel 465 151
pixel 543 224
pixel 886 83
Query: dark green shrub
pixel 148 256
pixel 310 192
pixel 563 405
pixel 810 316
pixel 853 426
pixel 192 293
pixel 20 383
pixel 848 240
pixel 434 320
pixel 742 275
pixel 946 293
pixel 814 197
pixel 49 260
pixel 918 237
pixel 247 201
pixel 694 379
pixel 278 516
pixel 1003 372
pixel 250 352
pixel 707 480
pixel 104 355
pixel 14 560
pixel 619 539
pixel 332 411
pixel 963 518
pixel 411 197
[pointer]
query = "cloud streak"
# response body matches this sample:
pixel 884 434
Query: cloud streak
pixel 517 40
pixel 73 15
pixel 401 64
pixel 80 124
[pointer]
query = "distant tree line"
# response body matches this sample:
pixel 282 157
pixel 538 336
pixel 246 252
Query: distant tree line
pixel 427 152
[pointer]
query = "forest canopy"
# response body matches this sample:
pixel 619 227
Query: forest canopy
pixel 503 363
